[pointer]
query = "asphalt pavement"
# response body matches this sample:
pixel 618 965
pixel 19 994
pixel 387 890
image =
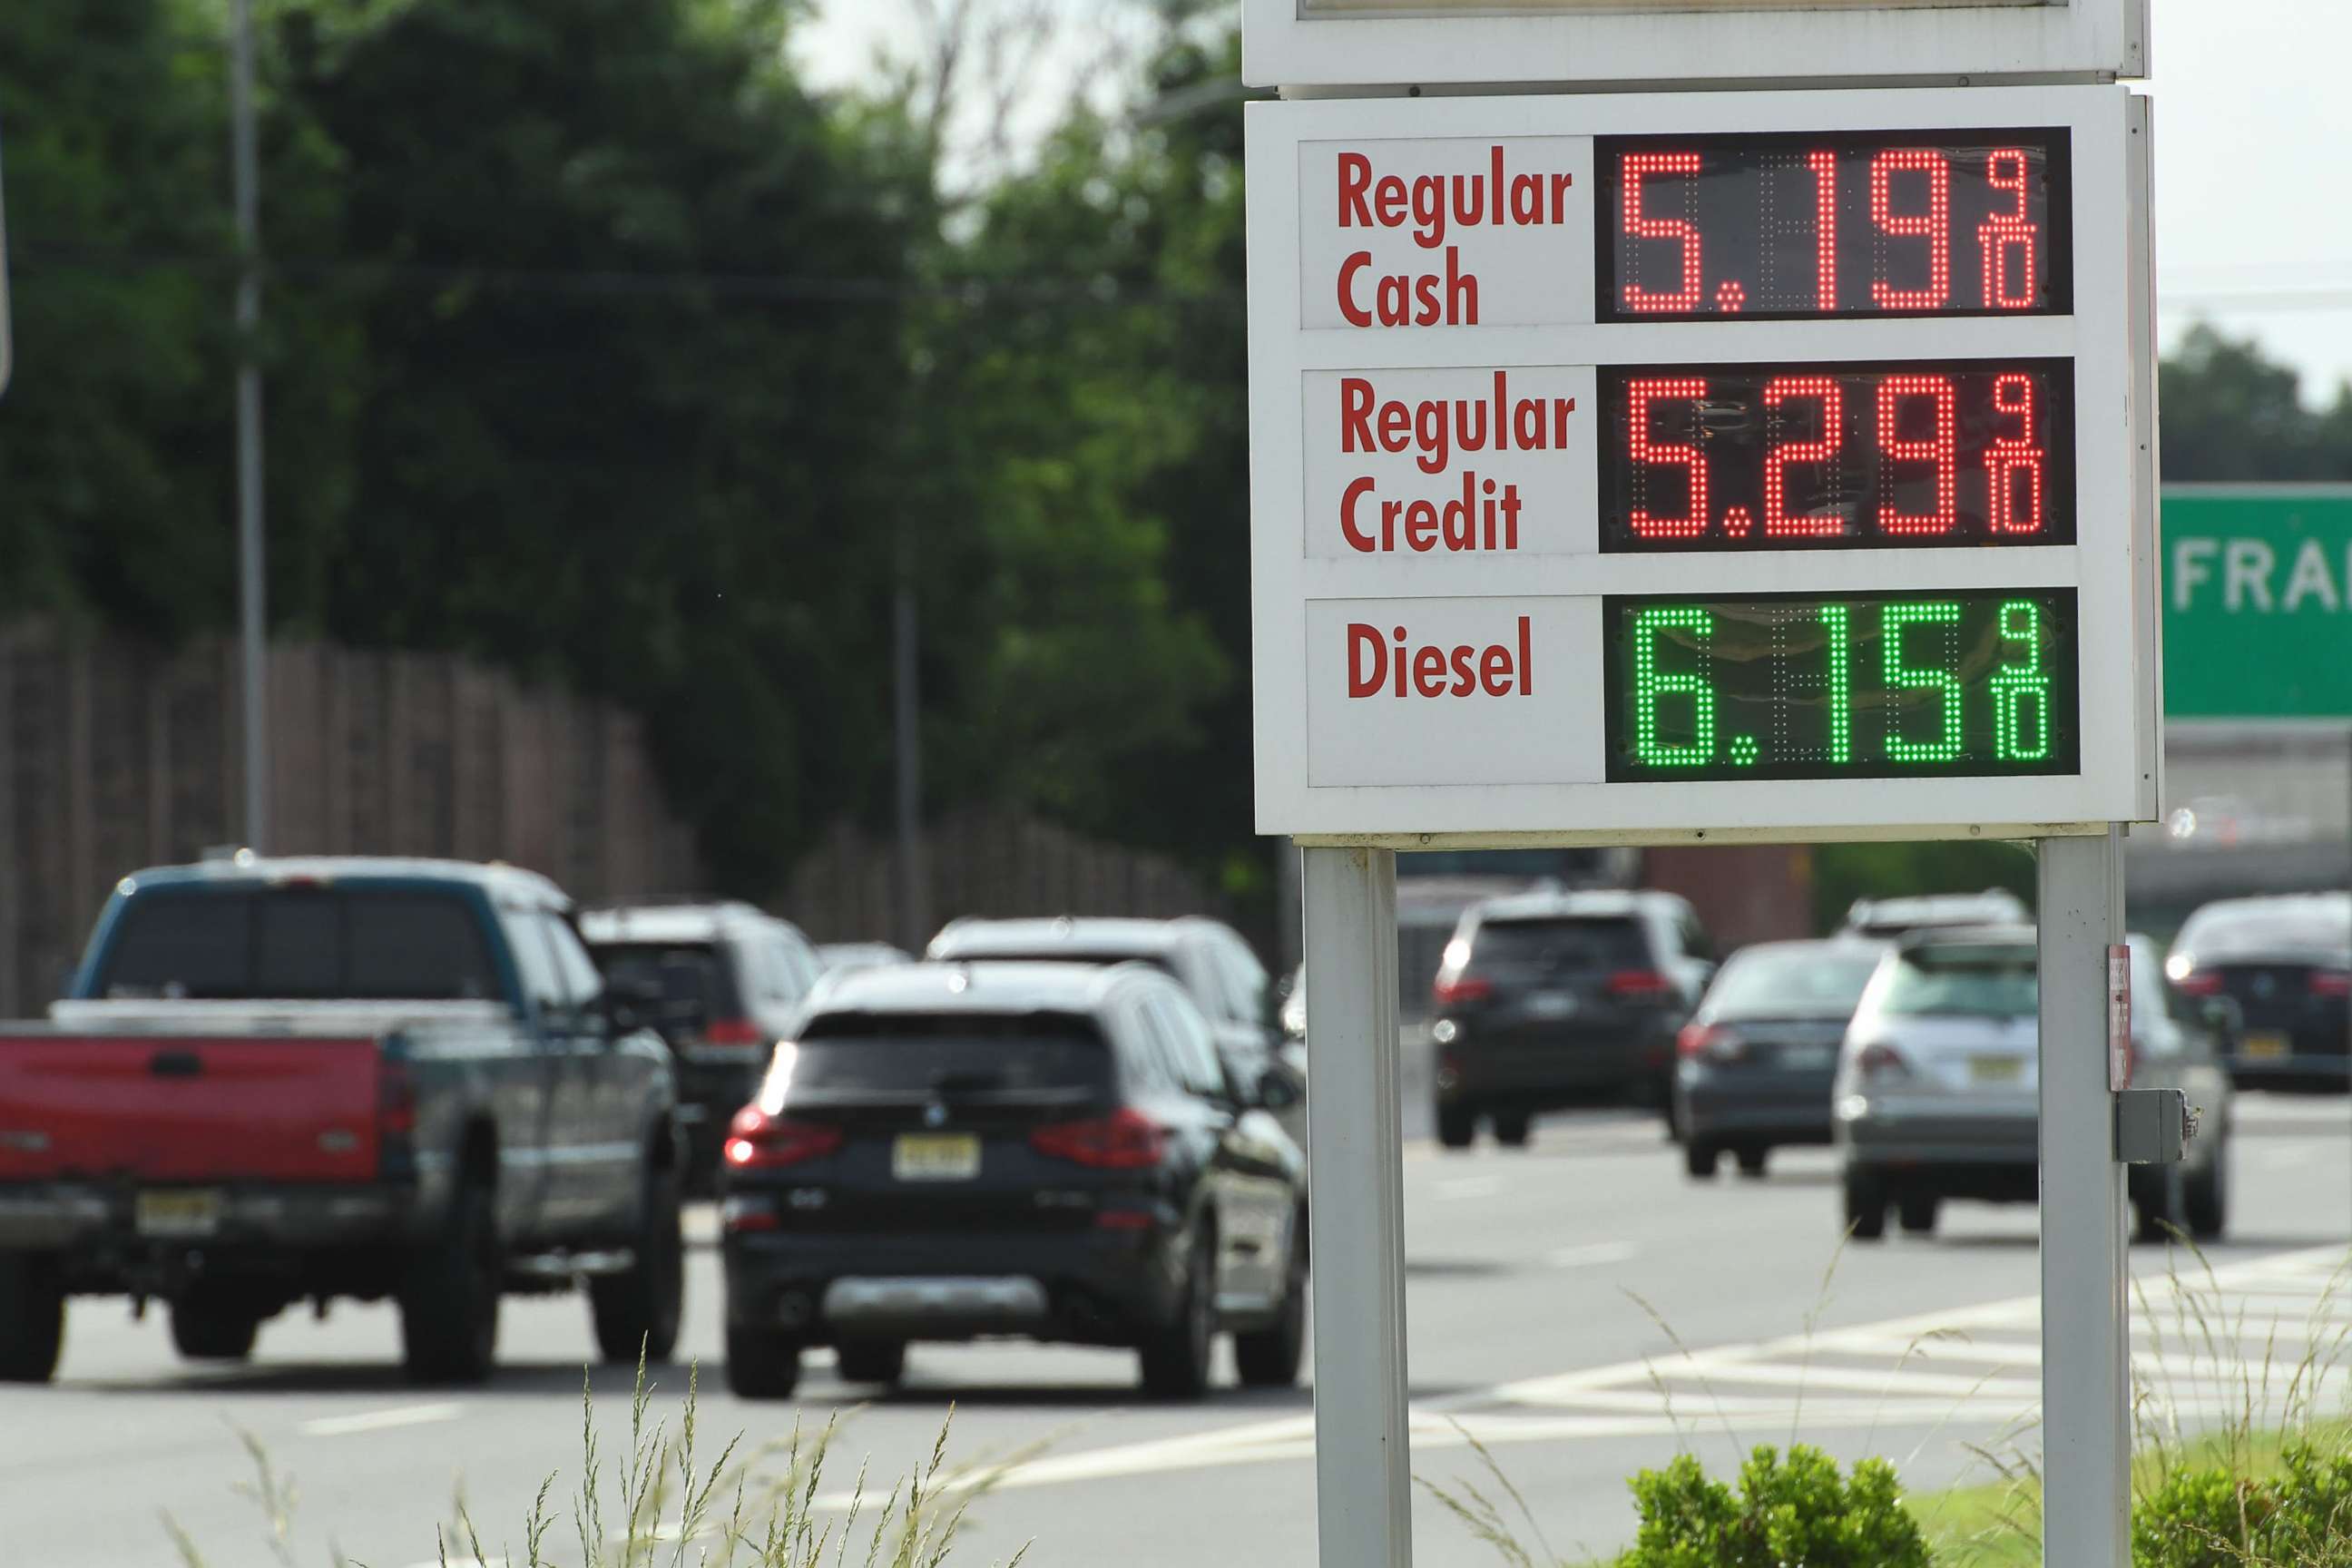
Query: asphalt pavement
pixel 1580 1307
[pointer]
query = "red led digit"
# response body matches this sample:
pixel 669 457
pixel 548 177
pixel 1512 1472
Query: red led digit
pixel 1777 519
pixel 2002 232
pixel 1639 167
pixel 1639 395
pixel 2014 464
pixel 1942 448
pixel 1934 225
pixel 1823 164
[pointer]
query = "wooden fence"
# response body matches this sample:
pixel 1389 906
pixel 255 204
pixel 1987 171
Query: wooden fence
pixel 121 755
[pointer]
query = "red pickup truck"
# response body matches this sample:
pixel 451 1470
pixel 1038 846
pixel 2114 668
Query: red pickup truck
pixel 281 1080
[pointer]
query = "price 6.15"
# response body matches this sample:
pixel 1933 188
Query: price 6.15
pixel 1800 456
pixel 1973 682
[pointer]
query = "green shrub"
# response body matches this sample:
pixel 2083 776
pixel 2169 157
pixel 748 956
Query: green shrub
pixel 1798 1511
pixel 2216 1517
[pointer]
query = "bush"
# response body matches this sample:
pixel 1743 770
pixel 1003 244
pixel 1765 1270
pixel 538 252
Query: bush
pixel 1797 1511
pixel 2216 1517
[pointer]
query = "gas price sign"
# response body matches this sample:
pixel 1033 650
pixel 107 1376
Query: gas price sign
pixel 1730 464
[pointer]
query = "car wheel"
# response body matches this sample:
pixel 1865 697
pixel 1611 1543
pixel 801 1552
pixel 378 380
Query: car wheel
pixel 872 1360
pixel 636 1311
pixel 1175 1359
pixel 1917 1212
pixel 1511 1128
pixel 1699 1158
pixel 206 1328
pixel 762 1364
pixel 1457 1126
pixel 32 1317
pixel 1865 1205
pixel 1751 1161
pixel 450 1307
pixel 2208 1198
pixel 1270 1357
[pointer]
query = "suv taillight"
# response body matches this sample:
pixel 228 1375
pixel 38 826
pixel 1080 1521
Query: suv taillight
pixel 1640 983
pixel 1453 990
pixel 1711 1040
pixel 2200 982
pixel 733 1032
pixel 1876 1063
pixel 758 1142
pixel 2330 982
pixel 1126 1140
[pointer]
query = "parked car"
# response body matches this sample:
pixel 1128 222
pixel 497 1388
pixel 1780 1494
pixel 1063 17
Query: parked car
pixel 1887 918
pixel 1044 1149
pixel 1757 1060
pixel 1554 999
pixel 729 982
pixel 1938 1082
pixel 275 1080
pixel 2285 963
pixel 840 957
pixel 1207 957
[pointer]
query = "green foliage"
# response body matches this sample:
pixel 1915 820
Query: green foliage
pixel 1845 872
pixel 2230 412
pixel 2214 1517
pixel 1797 1509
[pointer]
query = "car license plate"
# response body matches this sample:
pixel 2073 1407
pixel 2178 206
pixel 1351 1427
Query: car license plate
pixel 935 1157
pixel 179 1214
pixel 2268 1046
pixel 1996 1069
pixel 1806 1059
pixel 1550 1004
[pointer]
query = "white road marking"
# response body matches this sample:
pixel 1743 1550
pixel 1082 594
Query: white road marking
pixel 1809 1384
pixel 380 1420
pixel 1468 1187
pixel 1592 1254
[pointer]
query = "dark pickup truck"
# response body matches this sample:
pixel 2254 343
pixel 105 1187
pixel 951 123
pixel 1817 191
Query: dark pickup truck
pixel 280 1080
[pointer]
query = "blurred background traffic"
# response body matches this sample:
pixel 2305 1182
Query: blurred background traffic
pixel 755 521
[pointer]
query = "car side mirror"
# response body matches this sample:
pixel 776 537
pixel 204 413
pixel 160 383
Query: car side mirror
pixel 1279 1089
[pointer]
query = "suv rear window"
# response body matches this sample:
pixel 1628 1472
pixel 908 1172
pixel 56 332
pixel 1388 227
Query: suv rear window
pixel 695 981
pixel 1592 941
pixel 2315 928
pixel 1792 983
pixel 1963 981
pixel 971 1053
pixel 300 943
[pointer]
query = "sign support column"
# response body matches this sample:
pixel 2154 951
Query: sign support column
pixel 2085 1346
pixel 1363 1463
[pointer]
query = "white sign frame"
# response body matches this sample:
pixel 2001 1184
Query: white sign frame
pixel 2112 567
pixel 1617 44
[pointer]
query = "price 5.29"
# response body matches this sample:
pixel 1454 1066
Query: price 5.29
pixel 1801 456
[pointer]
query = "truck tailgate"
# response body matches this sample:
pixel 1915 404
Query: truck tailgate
pixel 187 1107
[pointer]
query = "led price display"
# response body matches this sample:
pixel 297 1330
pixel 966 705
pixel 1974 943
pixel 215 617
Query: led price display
pixel 1779 456
pixel 1792 686
pixel 1936 223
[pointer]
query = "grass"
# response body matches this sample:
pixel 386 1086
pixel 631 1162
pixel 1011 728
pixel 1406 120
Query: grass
pixel 669 1502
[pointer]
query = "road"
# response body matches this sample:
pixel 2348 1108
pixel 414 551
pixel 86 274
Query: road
pixel 1580 1307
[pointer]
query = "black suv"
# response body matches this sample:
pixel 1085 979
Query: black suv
pixel 1045 1150
pixel 1207 957
pixel 2284 964
pixel 1562 998
pixel 722 983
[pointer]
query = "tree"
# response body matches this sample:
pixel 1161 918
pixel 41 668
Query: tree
pixel 2230 412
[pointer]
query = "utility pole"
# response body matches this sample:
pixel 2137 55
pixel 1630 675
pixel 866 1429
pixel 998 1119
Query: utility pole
pixel 913 882
pixel 253 649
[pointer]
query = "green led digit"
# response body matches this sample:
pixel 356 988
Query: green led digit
pixel 1901 676
pixel 2016 683
pixel 1650 685
pixel 1840 682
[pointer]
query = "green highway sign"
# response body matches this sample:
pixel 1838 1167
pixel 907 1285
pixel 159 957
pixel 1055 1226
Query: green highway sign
pixel 2257 602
